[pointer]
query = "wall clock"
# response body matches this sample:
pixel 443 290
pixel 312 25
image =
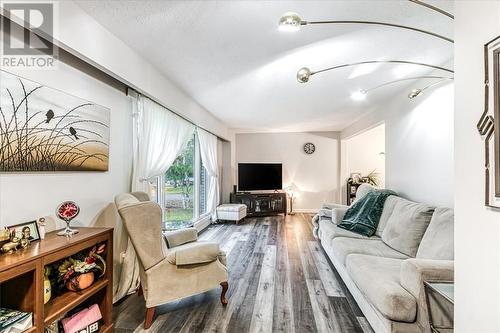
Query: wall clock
pixel 309 148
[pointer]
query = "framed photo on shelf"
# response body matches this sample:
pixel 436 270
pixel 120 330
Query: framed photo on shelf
pixel 356 177
pixel 27 230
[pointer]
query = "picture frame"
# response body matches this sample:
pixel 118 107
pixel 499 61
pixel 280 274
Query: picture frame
pixel 26 230
pixel 58 131
pixel 356 177
pixel 489 121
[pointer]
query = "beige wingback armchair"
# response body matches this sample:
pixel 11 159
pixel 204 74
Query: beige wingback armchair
pixel 172 265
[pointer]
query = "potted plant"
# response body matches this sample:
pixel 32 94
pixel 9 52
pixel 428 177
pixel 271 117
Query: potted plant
pixel 77 272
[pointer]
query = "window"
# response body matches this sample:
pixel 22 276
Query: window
pixel 178 189
pixel 181 192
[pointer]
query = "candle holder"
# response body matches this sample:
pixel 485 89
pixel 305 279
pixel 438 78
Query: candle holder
pixel 67 211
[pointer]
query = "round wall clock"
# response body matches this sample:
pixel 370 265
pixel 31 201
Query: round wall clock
pixel 309 148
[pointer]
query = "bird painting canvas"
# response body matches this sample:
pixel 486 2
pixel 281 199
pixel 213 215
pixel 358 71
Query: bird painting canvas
pixel 44 129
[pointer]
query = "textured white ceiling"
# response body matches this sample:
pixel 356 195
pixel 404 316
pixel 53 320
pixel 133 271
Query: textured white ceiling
pixel 230 57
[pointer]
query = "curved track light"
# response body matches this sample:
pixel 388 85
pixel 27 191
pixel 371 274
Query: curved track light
pixel 292 22
pixel 304 74
pixel 417 92
pixel 441 78
pixel 361 94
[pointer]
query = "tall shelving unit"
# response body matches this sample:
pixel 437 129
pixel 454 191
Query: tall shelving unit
pixel 22 274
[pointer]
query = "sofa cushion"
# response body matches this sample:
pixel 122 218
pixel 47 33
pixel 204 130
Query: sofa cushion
pixel 389 205
pixel 343 246
pixel 437 242
pixel 406 226
pixel 378 279
pixel 329 230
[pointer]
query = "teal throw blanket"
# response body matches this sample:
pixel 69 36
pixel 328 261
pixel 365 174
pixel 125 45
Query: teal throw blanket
pixel 364 215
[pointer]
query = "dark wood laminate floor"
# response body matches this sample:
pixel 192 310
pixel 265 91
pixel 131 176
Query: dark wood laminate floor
pixel 280 280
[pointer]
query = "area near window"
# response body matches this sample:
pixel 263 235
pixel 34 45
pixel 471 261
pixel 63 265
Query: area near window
pixel 181 191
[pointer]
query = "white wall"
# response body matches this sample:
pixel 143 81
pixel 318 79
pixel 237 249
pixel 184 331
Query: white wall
pixel 316 176
pixel 477 229
pixel 81 33
pixel 362 154
pixel 419 144
pixel 27 196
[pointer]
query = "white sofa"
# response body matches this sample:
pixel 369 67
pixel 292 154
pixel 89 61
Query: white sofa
pixel 385 272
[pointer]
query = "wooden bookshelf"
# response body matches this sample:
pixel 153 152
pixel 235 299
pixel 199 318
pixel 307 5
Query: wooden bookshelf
pixel 21 278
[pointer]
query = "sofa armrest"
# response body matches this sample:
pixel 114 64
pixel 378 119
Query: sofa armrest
pixel 415 271
pixel 413 274
pixel 179 237
pixel 331 206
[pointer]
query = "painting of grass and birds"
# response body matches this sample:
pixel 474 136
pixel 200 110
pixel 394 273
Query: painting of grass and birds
pixel 44 129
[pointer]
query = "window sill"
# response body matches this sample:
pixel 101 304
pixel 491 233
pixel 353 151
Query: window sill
pixel 202 222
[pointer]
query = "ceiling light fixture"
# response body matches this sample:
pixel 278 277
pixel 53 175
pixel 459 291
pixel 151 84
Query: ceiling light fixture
pixel 292 22
pixel 361 94
pixel 414 93
pixel 289 22
pixel 441 78
pixel 417 91
pixel 304 74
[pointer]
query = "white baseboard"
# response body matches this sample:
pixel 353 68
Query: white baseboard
pixel 306 210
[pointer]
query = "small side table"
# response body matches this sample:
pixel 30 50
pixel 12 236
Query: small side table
pixel 440 302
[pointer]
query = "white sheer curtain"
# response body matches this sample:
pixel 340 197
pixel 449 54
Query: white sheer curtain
pixel 208 151
pixel 161 136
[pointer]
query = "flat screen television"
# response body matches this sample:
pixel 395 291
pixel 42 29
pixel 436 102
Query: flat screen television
pixel 259 176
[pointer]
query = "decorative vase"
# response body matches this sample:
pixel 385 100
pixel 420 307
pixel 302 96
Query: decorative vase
pixel 82 281
pixel 47 290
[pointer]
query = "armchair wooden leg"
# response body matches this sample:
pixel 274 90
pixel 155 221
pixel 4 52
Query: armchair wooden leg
pixel 150 313
pixel 223 299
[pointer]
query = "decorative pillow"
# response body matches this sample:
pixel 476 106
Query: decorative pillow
pixel 437 242
pixel 406 226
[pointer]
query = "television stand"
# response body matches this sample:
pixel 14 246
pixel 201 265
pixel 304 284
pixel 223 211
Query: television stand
pixel 261 204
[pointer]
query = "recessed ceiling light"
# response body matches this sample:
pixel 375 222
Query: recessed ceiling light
pixel 358 95
pixel 289 22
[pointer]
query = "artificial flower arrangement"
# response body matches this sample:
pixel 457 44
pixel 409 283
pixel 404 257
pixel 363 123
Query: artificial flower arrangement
pixel 77 272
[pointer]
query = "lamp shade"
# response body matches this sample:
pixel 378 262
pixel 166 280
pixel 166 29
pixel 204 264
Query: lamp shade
pixel 289 22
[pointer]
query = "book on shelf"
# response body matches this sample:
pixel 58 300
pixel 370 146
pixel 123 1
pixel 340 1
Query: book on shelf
pixel 15 321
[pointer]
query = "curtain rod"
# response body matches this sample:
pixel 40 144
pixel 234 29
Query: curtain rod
pixel 134 93
pixel 84 64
